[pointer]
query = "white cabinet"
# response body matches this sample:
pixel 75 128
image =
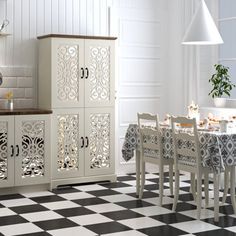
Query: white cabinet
pixel 25 150
pixel 77 81
pixel 83 142
pixel 76 72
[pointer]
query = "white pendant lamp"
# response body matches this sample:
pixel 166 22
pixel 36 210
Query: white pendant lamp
pixel 202 29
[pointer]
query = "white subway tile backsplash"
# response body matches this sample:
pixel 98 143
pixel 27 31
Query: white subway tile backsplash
pixel 23 103
pixel 24 82
pixel 21 81
pixel 3 92
pixel 18 93
pixel 9 82
pixel 16 71
pixel 29 93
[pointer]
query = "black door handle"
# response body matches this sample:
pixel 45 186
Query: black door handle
pixel 87 73
pixel 87 143
pixel 12 151
pixel 82 73
pixel 17 150
pixel 82 138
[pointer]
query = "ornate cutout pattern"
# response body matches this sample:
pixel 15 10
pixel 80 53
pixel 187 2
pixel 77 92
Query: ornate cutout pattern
pixel 67 73
pixel 33 148
pixel 68 137
pixel 99 73
pixel 3 150
pixel 100 141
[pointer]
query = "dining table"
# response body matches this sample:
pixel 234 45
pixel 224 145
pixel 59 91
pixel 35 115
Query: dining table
pixel 218 152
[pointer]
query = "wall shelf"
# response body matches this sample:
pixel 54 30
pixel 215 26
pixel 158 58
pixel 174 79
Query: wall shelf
pixel 4 35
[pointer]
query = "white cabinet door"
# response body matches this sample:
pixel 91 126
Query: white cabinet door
pixel 99 141
pixel 6 151
pixel 67 73
pixel 68 143
pixel 32 149
pixel 99 73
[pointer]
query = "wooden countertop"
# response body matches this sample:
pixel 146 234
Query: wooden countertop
pixel 76 36
pixel 28 111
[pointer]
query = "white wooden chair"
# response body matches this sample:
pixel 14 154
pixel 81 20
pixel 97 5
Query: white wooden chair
pixel 188 159
pixel 151 151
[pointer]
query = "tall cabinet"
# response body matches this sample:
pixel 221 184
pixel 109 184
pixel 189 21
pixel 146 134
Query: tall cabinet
pixel 77 81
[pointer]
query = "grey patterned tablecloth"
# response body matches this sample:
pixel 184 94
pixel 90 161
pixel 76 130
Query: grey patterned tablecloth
pixel 217 149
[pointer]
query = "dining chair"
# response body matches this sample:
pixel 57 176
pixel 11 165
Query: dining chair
pixel 188 158
pixel 151 151
pixel 229 184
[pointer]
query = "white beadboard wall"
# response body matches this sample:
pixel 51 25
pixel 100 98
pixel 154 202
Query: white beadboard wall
pixel 31 18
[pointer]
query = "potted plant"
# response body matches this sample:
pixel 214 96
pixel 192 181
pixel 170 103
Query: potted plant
pixel 222 85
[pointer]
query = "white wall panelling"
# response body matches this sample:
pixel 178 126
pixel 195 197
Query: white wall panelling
pixel 140 30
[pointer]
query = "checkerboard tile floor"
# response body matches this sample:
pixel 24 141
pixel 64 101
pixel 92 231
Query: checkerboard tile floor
pixel 111 209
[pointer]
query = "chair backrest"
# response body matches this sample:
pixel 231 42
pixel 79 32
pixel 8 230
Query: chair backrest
pixel 185 140
pixel 150 135
pixel 146 119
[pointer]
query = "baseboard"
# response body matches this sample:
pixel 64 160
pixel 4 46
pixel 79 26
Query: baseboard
pixel 90 179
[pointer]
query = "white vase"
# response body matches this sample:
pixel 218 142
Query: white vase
pixel 220 102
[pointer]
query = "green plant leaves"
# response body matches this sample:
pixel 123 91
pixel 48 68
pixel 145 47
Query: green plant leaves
pixel 221 82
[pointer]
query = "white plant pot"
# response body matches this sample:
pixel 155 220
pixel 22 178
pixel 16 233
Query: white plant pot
pixel 220 102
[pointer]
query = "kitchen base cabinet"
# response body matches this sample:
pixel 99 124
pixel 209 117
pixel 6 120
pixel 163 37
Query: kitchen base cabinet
pixel 83 145
pixel 25 150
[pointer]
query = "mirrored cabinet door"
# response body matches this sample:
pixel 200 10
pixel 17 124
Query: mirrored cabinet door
pixel 6 151
pixel 32 149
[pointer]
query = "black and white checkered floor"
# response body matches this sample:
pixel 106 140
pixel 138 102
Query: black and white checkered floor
pixel 110 209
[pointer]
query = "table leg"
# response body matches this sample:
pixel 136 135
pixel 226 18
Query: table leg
pixel 193 186
pixel 232 187
pixel 137 172
pixel 216 197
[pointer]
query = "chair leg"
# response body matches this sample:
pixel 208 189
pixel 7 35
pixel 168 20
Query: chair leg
pixel 138 160
pixel 216 197
pixel 193 187
pixel 161 182
pixel 232 187
pixel 176 197
pixel 226 185
pixel 206 188
pixel 142 179
pixel 199 195
pixel 171 178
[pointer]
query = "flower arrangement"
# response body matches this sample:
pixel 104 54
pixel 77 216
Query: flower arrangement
pixel 9 95
pixel 9 99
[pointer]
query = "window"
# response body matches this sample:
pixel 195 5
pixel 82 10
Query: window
pixel 227 26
